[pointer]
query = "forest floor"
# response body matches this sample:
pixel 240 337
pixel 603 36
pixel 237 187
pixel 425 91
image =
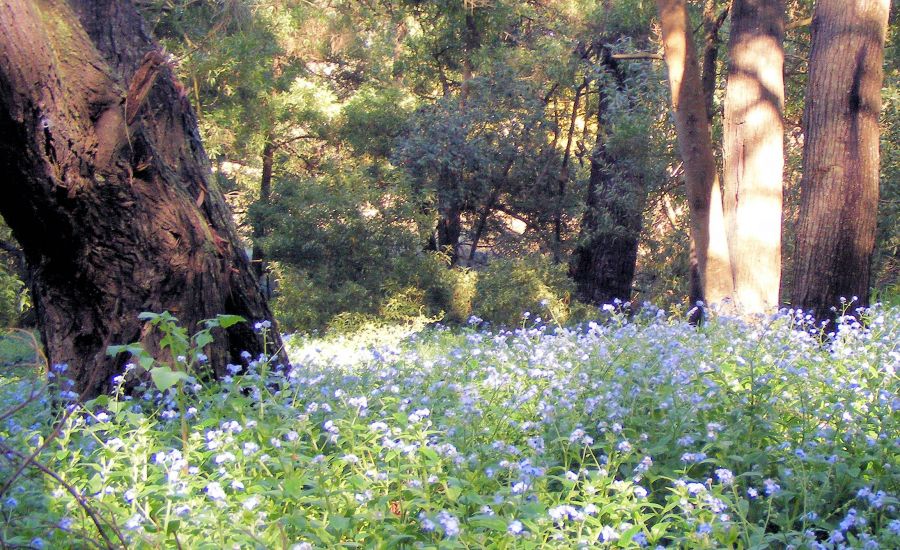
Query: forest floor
pixel 618 433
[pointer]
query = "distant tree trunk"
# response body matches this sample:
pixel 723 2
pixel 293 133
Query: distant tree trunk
pixel 564 175
pixel 449 201
pixel 839 190
pixel 712 23
pixel 603 262
pixel 259 228
pixel 710 268
pixel 108 189
pixel 449 205
pixel 754 152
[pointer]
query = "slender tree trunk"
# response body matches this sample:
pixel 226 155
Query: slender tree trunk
pixel 754 152
pixel 839 190
pixel 449 205
pixel 564 175
pixel 712 23
pixel 710 268
pixel 108 189
pixel 259 228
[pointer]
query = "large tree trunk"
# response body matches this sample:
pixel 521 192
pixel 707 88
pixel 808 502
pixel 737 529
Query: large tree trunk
pixel 603 262
pixel 839 190
pixel 754 152
pixel 710 267
pixel 108 189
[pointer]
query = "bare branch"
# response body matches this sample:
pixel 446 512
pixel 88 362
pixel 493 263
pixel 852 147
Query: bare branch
pixel 637 56
pixel 82 501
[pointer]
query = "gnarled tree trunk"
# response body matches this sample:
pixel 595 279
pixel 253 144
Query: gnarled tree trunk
pixel 839 190
pixel 108 189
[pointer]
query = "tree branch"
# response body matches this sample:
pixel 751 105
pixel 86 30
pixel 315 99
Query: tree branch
pixel 637 56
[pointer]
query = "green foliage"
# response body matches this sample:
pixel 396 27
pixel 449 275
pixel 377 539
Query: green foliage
pixel 512 292
pixel 14 298
pixel 886 263
pixel 18 347
pixel 372 119
pixel 185 352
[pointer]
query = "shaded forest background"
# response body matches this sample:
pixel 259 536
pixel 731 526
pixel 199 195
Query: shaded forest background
pixel 367 146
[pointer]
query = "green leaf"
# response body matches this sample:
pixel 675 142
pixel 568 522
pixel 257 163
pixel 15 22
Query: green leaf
pixel 491 522
pixel 226 321
pixel 627 535
pixel 164 377
pixel 146 361
pixel 202 339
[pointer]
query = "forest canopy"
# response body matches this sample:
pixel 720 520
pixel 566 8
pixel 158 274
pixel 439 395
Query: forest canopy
pixel 532 147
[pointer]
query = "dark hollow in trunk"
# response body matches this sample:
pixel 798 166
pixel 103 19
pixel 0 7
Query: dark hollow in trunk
pixel 108 189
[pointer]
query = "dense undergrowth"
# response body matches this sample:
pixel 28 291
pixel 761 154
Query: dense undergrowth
pixel 621 433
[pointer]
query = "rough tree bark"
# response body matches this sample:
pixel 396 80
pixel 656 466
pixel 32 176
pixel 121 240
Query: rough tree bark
pixel 108 189
pixel 712 23
pixel 710 267
pixel 603 262
pixel 839 190
pixel 754 152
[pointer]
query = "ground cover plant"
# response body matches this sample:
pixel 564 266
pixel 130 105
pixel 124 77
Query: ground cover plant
pixel 624 432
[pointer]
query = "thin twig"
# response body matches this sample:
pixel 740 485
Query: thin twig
pixel 82 501
pixel 34 395
pixel 53 435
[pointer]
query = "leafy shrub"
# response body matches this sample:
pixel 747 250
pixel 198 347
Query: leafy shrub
pixel 338 253
pixel 13 298
pixel 508 289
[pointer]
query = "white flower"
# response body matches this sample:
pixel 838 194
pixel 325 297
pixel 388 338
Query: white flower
pixel 214 491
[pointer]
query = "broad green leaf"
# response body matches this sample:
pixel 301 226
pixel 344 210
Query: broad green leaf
pixel 202 339
pixel 164 377
pixel 226 321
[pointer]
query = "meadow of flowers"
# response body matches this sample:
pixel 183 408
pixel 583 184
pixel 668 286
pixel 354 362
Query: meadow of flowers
pixel 622 433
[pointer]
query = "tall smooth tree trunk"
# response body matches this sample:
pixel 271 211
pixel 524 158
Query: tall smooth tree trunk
pixel 710 264
pixel 109 191
pixel 839 190
pixel 754 152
